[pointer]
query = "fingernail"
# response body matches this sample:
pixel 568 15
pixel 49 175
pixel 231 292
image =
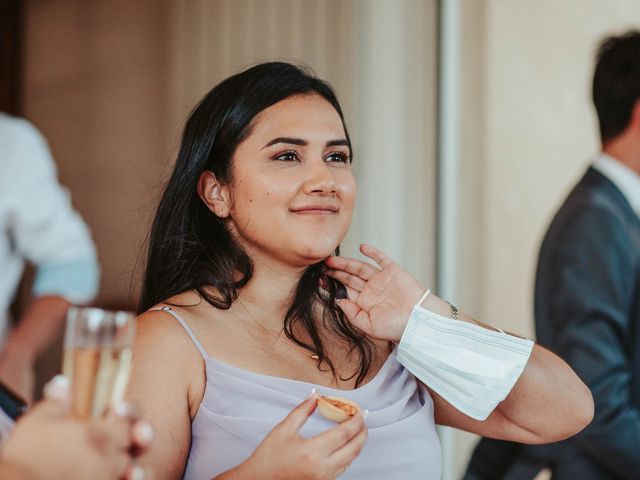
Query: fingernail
pixel 58 388
pixel 122 409
pixel 143 432
pixel 338 300
pixel 60 381
pixel 136 472
pixel 365 413
pixel 312 393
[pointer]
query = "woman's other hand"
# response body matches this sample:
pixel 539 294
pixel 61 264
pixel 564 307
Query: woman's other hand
pixel 380 298
pixel 284 454
pixel 47 443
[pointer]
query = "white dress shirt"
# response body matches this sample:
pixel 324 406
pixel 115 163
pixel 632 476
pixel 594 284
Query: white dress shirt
pixel 627 181
pixel 38 223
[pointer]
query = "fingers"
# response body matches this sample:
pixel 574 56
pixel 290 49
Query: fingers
pixel 293 422
pixel 121 467
pixel 49 408
pixel 359 268
pixel 343 457
pixel 110 442
pixel 377 255
pixel 351 295
pixel 124 410
pixel 134 472
pixel 141 435
pixel 140 432
pixel 59 390
pixel 122 435
pixel 351 281
pixel 349 308
pixel 355 315
pixel 336 438
pixel 56 401
pixel 110 435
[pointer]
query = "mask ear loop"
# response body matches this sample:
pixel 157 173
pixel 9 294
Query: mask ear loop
pixel 423 298
pixel 426 294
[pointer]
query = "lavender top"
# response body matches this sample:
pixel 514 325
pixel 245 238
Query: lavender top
pixel 240 407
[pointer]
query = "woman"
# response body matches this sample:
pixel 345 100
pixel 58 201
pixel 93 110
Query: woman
pixel 240 317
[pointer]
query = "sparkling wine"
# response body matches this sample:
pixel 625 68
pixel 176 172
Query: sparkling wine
pixel 99 377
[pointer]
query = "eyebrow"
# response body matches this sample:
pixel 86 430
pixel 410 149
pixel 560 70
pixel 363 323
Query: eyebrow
pixel 302 142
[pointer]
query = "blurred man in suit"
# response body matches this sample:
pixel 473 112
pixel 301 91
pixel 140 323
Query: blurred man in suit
pixel 587 292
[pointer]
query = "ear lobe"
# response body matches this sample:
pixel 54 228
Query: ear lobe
pixel 212 193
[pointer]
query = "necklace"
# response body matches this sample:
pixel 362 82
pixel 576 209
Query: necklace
pixel 312 356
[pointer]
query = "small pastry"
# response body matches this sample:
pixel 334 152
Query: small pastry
pixel 337 409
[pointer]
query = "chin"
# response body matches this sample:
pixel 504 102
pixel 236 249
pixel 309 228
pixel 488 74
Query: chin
pixel 317 253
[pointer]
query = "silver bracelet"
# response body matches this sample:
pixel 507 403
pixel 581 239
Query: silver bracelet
pixel 454 311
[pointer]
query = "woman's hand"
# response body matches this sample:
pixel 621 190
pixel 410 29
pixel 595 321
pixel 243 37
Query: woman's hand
pixel 284 454
pixel 380 298
pixel 47 443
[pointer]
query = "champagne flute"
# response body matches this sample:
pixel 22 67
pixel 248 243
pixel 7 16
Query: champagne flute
pixel 97 358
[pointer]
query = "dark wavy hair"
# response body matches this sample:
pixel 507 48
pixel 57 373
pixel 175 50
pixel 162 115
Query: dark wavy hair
pixel 190 248
pixel 616 82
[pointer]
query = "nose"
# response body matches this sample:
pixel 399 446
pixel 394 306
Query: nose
pixel 320 179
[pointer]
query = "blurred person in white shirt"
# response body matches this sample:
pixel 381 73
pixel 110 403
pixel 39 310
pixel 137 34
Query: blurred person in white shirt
pixel 39 226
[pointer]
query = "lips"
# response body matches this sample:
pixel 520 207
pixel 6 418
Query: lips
pixel 316 209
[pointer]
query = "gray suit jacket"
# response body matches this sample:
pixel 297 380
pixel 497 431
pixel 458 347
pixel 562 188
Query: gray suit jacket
pixel 587 310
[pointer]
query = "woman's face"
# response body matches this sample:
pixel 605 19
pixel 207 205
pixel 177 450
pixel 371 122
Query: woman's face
pixel 293 192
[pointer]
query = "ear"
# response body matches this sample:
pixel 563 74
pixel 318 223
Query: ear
pixel 214 195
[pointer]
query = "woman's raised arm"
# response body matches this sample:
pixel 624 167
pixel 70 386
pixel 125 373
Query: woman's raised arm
pixel 547 403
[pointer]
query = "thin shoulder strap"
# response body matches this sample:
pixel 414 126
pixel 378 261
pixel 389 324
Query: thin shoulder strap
pixel 198 345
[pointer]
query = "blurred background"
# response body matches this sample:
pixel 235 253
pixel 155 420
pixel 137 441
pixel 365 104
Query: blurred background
pixel 470 119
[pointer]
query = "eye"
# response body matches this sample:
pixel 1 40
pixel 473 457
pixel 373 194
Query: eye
pixel 339 157
pixel 288 156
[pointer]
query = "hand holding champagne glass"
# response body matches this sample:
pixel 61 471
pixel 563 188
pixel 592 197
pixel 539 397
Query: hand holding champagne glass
pixel 97 358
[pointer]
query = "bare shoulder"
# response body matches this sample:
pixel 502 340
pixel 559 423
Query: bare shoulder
pixel 157 331
pixel 159 328
pixel 163 348
pixel 167 382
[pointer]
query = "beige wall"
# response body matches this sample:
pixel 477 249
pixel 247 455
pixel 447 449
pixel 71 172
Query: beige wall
pixel 541 131
pixel 96 86
pixel 530 131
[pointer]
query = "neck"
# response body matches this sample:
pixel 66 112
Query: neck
pixel 270 292
pixel 626 149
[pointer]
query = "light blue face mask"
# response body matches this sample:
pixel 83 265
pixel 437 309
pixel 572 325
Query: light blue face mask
pixel 471 367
